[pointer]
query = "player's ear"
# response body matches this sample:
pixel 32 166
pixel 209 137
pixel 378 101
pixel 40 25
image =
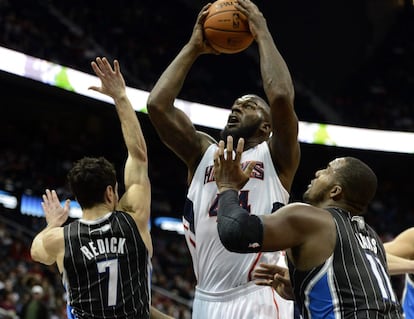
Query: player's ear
pixel 266 128
pixel 336 192
pixel 109 194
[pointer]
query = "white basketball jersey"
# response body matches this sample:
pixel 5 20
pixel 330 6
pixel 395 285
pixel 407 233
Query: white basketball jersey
pixel 216 268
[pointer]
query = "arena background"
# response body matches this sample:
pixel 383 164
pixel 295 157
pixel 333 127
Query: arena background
pixel 351 62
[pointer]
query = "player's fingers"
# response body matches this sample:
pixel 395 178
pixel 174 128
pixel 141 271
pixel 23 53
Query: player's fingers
pixel 117 67
pixel 221 150
pixel 96 69
pixel 67 205
pixel 272 267
pixel 216 158
pixel 47 198
pixel 249 169
pixel 229 147
pixel 205 9
pixel 48 195
pixel 239 149
pixel 281 279
pixel 263 282
pixel 95 88
pixel 45 202
pixel 101 65
pixel 262 276
pixel 106 66
pixel 203 13
pixel 241 6
pixel 55 197
pixel 262 272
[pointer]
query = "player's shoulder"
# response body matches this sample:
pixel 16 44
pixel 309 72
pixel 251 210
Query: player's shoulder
pixel 306 211
pixel 206 138
pixel 299 206
pixel 208 146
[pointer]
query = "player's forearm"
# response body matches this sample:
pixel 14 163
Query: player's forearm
pixel 131 129
pixel 238 230
pixel 169 85
pixel 136 166
pixel 398 265
pixel 277 81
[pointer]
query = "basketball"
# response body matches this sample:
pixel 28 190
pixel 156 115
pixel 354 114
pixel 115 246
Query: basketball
pixel 226 29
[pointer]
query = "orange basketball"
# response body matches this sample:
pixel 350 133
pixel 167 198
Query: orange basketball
pixel 226 29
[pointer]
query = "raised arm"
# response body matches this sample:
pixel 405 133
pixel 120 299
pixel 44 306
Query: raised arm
pixel 278 86
pixel 49 243
pixel 137 196
pixel 173 125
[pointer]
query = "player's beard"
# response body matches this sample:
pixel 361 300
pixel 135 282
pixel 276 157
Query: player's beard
pixel 245 131
pixel 315 197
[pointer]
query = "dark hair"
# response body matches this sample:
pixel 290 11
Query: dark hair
pixel 358 181
pixel 89 178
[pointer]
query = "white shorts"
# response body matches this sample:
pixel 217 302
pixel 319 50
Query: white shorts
pixel 245 302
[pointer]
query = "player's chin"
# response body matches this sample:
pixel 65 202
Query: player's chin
pixel 306 196
pixel 226 132
pixel 231 128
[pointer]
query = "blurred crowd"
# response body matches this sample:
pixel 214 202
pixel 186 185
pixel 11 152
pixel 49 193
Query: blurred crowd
pixel 38 149
pixel 379 94
pixel 22 280
pixel 19 275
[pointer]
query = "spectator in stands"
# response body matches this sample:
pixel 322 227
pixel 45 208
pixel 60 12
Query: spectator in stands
pixel 35 308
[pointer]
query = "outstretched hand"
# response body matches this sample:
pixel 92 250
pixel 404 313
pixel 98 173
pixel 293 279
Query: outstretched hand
pixel 276 277
pixel 112 81
pixel 56 214
pixel 227 170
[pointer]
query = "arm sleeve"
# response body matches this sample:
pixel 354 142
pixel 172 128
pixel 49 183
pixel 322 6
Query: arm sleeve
pixel 239 231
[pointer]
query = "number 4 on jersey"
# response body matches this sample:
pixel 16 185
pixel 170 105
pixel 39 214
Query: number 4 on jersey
pixel 243 201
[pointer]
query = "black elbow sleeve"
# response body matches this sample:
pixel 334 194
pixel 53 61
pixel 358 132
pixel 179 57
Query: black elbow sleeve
pixel 239 231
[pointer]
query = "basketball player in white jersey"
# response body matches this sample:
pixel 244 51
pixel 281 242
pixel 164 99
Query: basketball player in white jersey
pixel 104 257
pixel 225 287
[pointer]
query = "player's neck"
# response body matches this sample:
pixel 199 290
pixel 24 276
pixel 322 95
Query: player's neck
pixel 251 142
pixel 96 212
